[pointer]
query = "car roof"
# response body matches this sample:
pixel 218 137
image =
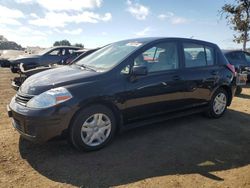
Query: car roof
pixel 68 47
pixel 84 50
pixel 151 39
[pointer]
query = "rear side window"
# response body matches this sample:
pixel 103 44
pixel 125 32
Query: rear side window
pixel 71 51
pixel 198 55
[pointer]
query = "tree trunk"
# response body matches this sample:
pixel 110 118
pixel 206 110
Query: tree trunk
pixel 245 40
pixel 244 45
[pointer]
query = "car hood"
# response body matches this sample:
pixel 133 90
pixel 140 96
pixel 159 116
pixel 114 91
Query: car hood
pixel 24 57
pixel 57 77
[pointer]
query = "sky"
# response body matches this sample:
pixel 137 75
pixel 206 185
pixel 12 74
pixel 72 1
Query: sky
pixel 98 22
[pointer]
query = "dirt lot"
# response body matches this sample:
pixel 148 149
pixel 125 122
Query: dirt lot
pixel 188 152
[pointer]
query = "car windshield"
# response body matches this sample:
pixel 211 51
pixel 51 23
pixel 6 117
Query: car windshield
pixel 110 55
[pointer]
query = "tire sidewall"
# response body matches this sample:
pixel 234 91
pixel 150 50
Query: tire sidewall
pixel 81 117
pixel 211 110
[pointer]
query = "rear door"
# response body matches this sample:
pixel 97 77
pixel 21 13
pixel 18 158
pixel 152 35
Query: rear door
pixel 200 72
pixel 161 90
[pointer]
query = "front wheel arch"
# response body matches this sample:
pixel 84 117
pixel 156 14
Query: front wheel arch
pixel 109 105
pixel 73 136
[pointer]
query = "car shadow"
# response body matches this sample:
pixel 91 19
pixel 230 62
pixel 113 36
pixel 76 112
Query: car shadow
pixel 187 145
pixel 244 96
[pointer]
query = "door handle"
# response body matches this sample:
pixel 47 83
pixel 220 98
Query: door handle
pixel 176 77
pixel 164 83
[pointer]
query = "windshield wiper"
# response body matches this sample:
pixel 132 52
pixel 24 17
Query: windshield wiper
pixel 87 67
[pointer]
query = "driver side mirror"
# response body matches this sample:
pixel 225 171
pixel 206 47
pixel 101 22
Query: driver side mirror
pixel 139 70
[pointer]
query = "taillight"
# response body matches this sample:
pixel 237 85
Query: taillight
pixel 231 68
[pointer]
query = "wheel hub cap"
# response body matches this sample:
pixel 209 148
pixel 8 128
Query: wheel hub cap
pixel 220 103
pixel 96 129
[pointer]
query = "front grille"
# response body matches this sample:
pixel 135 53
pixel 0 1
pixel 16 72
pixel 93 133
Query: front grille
pixel 23 98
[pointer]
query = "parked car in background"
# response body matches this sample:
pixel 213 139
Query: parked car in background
pixel 17 81
pixel 54 55
pixel 116 88
pixel 24 74
pixel 79 54
pixel 4 62
pixel 5 55
pixel 241 60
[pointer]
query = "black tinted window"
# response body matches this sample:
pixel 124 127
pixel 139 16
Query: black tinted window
pixel 198 55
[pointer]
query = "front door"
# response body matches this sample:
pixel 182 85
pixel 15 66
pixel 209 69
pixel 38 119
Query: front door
pixel 161 89
pixel 52 57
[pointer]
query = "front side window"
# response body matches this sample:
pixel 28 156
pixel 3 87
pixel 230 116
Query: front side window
pixel 198 55
pixel 160 57
pixel 56 52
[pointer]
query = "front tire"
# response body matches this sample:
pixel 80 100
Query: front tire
pixel 218 104
pixel 92 128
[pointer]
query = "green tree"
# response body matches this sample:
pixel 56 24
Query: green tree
pixel 238 16
pixel 62 43
pixel 79 45
pixel 9 45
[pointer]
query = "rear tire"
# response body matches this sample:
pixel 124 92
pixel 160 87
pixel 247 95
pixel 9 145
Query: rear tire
pixel 238 90
pixel 218 104
pixel 92 128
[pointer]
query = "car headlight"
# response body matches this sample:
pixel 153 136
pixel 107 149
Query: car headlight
pixel 50 98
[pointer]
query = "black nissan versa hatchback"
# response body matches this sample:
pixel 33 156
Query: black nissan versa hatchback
pixel 122 85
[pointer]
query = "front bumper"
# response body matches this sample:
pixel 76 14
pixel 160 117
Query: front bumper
pixel 39 125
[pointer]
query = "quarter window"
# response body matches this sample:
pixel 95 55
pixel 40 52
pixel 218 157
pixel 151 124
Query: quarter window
pixel 198 55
